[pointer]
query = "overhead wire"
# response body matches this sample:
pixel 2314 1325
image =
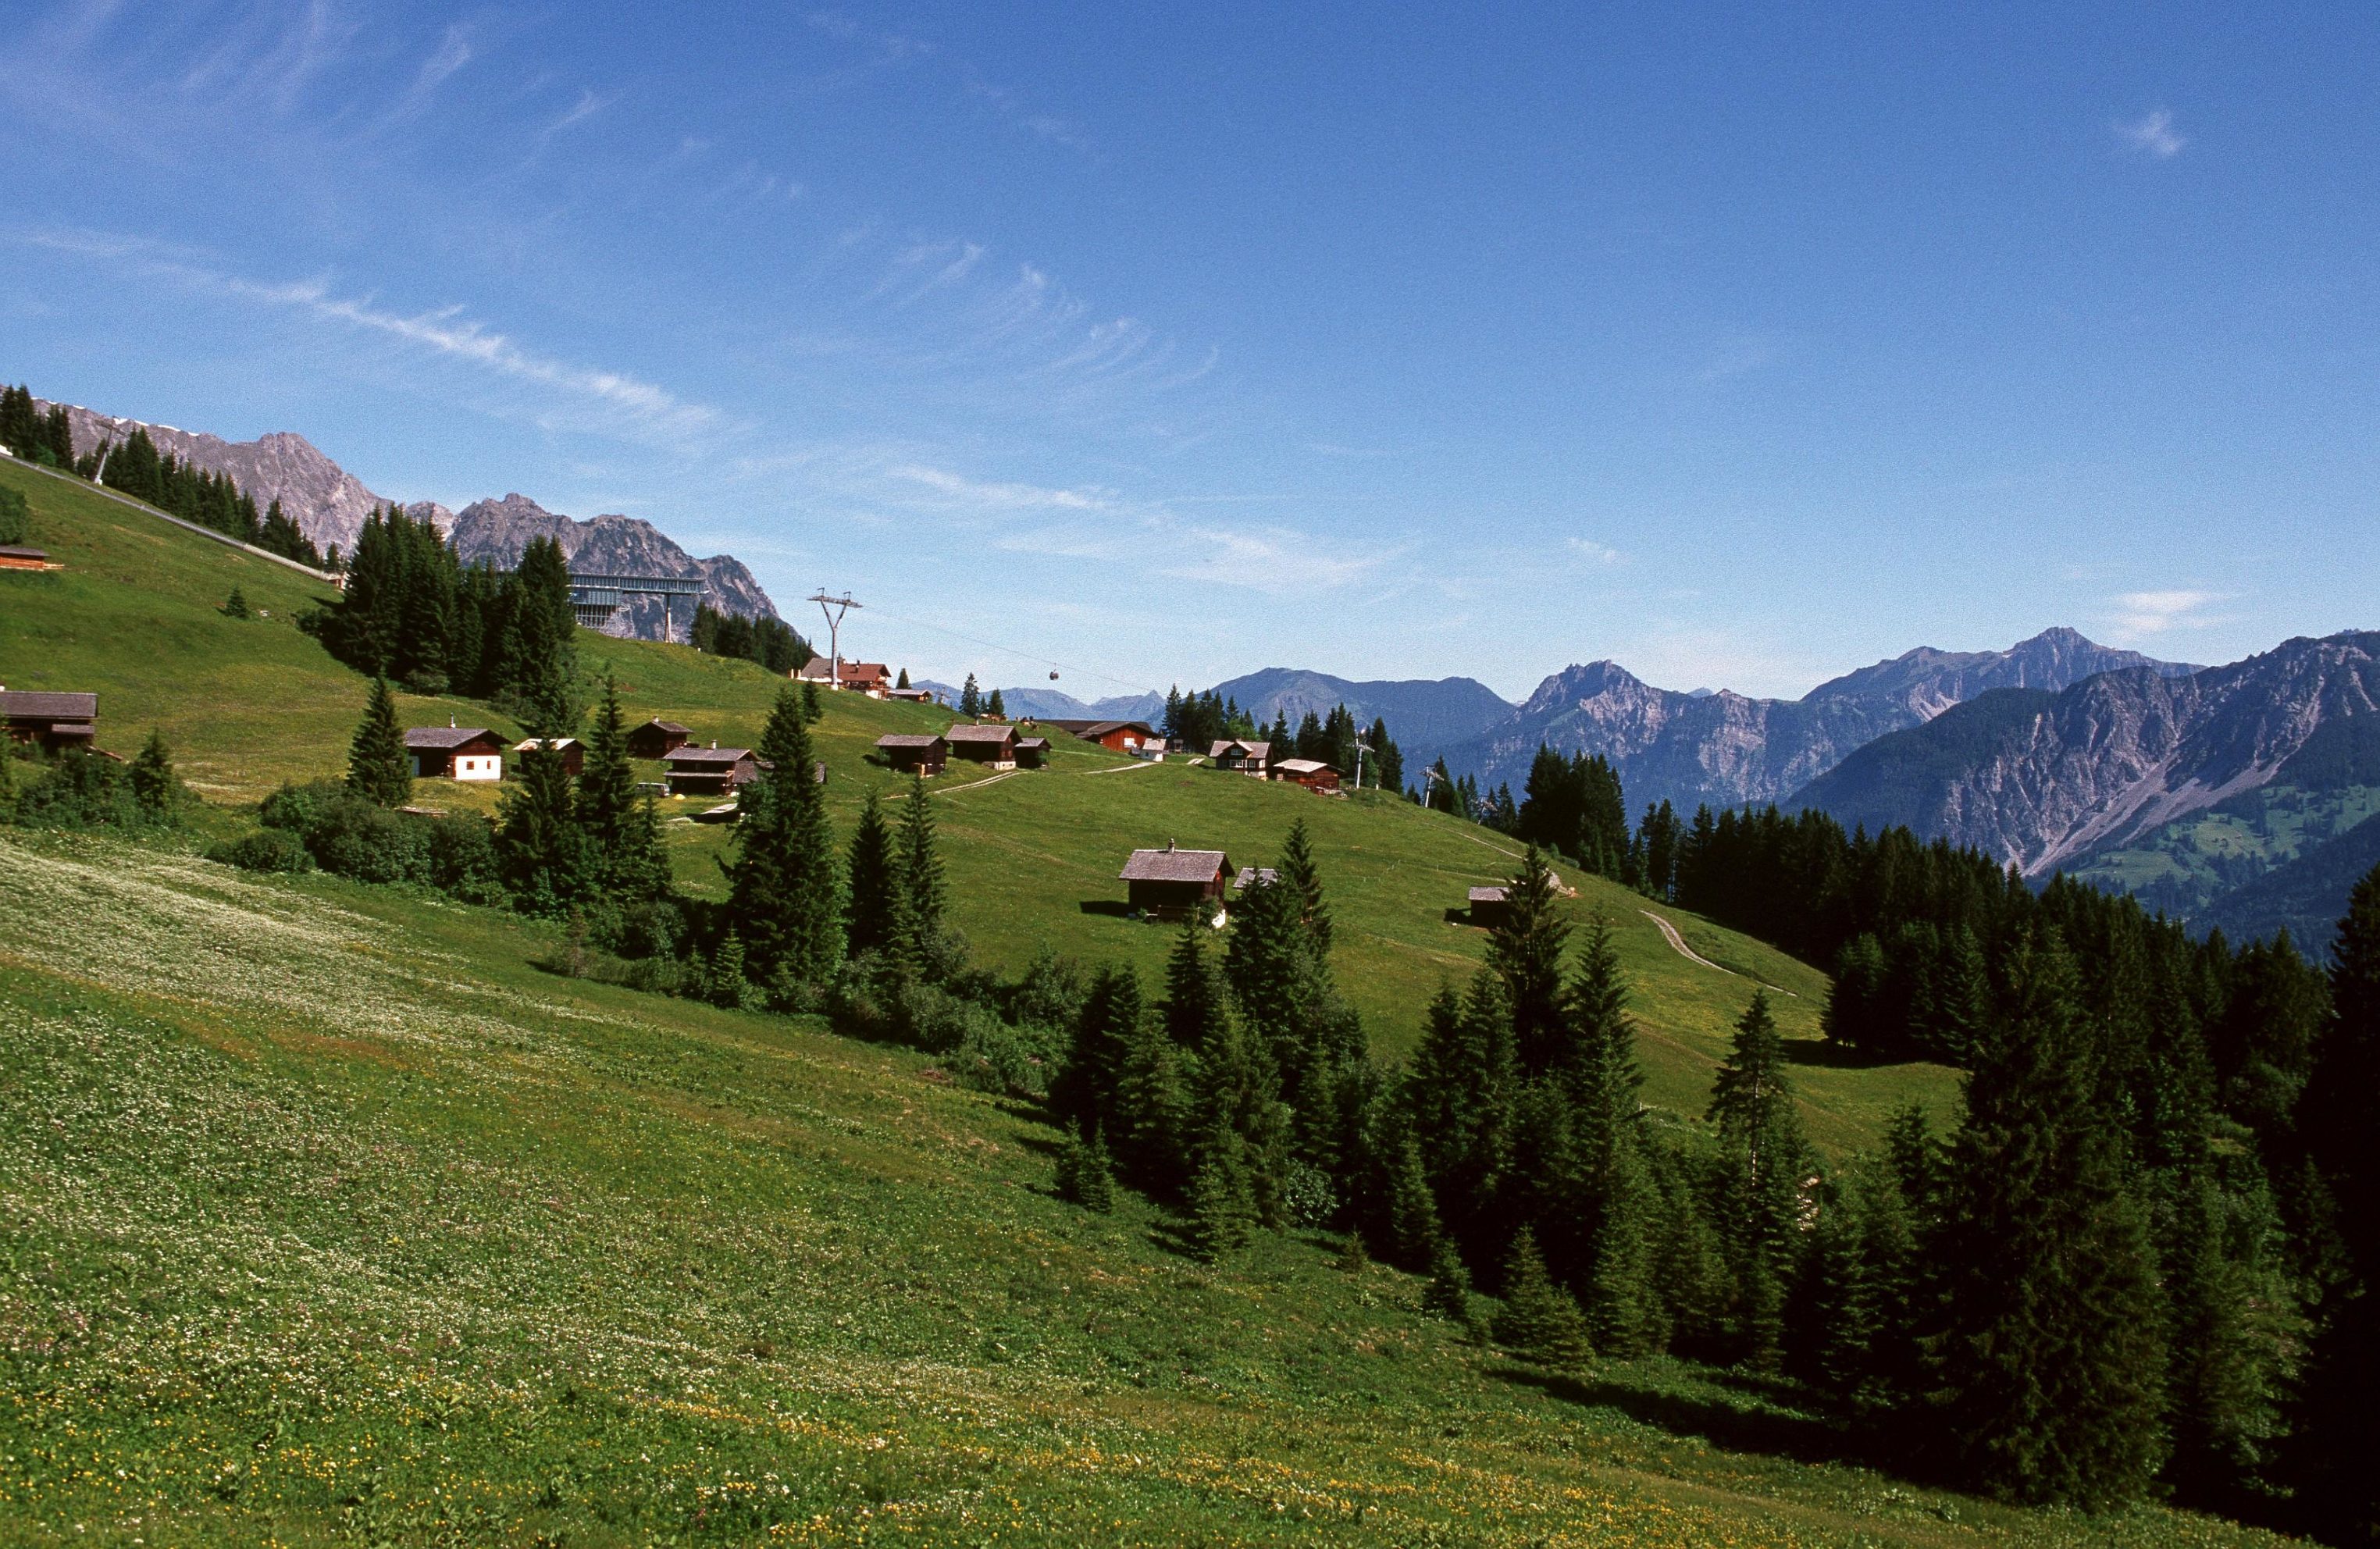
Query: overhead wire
pixel 1011 650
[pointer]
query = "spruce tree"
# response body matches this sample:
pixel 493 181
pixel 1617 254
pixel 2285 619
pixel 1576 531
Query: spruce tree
pixel 1540 1320
pixel 621 831
pixel 1222 1201
pixel 379 769
pixel 235 606
pixel 994 707
pixel 2339 1427
pixel 1449 1291
pixel 542 850
pixel 1299 872
pixel 782 883
pixel 1527 953
pixel 922 866
pixel 813 706
pixel 904 679
pixel 1764 1162
pixel 1084 1092
pixel 156 789
pixel 1416 1239
pixel 874 902
pixel 540 654
pixel 1084 1175
pixel 1150 1112
pixel 2049 1355
pixel 970 698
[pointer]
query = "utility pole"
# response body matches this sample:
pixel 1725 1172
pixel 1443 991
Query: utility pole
pixel 1362 747
pixel 840 605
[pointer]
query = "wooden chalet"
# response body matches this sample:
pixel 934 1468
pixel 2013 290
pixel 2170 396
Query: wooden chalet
pixel 573 751
pixel 656 739
pixel 14 557
pixel 914 754
pixel 911 696
pixel 1312 773
pixel 1032 753
pixel 871 678
pixel 710 771
pixel 1171 883
pixel 1241 757
pixel 49 720
pixel 452 752
pixel 1135 737
pixel 994 745
pixel 1490 907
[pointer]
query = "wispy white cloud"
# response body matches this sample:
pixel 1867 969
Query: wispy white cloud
pixel 1332 449
pixel 2139 616
pixel 1594 552
pixel 2153 134
pixel 962 492
pixel 621 403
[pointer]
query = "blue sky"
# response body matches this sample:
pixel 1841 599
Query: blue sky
pixel 1742 347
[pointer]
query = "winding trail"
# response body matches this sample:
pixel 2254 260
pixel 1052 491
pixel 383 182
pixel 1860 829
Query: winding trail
pixel 1670 933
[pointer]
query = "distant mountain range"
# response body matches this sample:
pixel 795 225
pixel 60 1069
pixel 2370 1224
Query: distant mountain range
pixel 1722 749
pixel 330 505
pixel 2186 791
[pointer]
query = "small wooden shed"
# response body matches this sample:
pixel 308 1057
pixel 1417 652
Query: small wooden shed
pixel 656 739
pixel 1172 882
pixel 1032 752
pixel 918 754
pixel 994 745
pixel 1490 907
pixel 49 720
pixel 573 751
pixel 452 752
pixel 1312 773
pixel 710 771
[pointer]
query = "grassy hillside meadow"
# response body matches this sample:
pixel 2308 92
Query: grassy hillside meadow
pixel 326 1216
pixel 247 704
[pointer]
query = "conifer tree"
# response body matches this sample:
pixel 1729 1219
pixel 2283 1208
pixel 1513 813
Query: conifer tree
pixel 903 680
pixel 1596 1071
pixel 1084 1094
pixel 813 708
pixel 922 866
pixel 235 606
pixel 541 659
pixel 2049 1355
pixel 782 886
pixel 1150 1112
pixel 542 850
pixel 1527 953
pixel 621 831
pixel 994 707
pixel 156 789
pixel 970 698
pixel 1449 1291
pixel 1222 1201
pixel 1299 872
pixel 379 770
pixel 1234 1096
pixel 1416 1235
pixel 1084 1175
pixel 16 516
pixel 1540 1320
pixel 1459 1098
pixel 1766 1160
pixel 873 910
pixel 2338 1423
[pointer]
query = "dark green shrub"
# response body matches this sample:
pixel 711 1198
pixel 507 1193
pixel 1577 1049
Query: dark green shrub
pixel 15 520
pixel 461 858
pixel 265 850
pixel 81 791
pixel 350 837
pixel 295 808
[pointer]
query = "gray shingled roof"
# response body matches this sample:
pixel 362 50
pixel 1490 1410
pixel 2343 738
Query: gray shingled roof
pixel 658 723
pixel 1033 742
pixel 1252 875
pixel 708 754
pixel 1174 865
pixel 1301 766
pixel 981 733
pixel 13 553
pixel 37 705
pixel 1488 895
pixel 905 739
pixel 1254 750
pixel 445 736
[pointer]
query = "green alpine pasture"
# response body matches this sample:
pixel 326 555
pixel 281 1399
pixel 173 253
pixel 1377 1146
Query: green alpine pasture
pixel 1033 856
pixel 328 1215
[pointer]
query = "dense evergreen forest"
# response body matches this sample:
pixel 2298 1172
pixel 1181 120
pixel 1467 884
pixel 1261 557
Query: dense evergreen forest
pixel 771 642
pixel 135 467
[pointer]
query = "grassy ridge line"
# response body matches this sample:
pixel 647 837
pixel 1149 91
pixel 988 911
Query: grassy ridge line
pixel 203 532
pixel 329 1218
pixel 247 704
